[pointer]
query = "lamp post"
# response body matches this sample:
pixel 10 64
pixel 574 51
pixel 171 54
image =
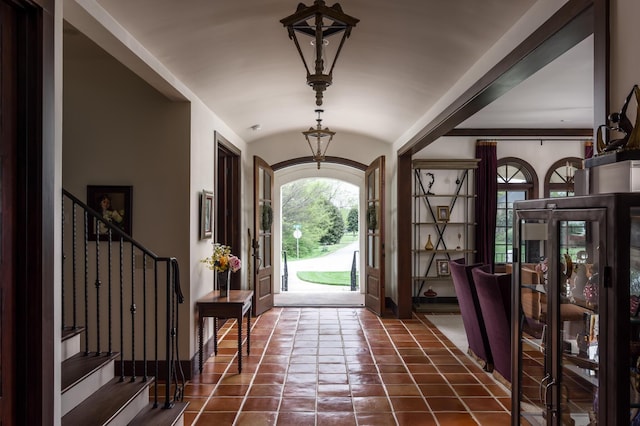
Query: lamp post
pixel 297 233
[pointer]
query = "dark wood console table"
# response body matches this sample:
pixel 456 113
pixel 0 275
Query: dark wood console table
pixel 235 306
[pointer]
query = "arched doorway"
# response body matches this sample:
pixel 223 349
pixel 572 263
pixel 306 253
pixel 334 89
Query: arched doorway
pixel 295 295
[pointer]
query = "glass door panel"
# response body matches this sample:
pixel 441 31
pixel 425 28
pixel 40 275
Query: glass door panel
pixel 578 258
pixel 534 360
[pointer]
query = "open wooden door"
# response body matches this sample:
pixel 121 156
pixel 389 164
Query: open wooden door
pixel 263 236
pixel 374 250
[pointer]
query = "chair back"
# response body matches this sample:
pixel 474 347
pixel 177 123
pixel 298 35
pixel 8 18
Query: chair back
pixel 472 319
pixel 494 295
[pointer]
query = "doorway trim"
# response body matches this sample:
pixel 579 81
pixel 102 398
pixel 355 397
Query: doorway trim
pixel 227 198
pixel 335 171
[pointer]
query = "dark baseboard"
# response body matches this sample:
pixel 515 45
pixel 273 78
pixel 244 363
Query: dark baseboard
pixel 186 366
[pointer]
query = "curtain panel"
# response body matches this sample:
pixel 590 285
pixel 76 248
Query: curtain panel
pixel 486 201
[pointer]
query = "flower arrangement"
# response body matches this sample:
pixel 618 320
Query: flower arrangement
pixel 222 260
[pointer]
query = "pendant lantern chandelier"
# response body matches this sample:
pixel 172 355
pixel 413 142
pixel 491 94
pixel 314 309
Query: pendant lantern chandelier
pixel 319 22
pixel 323 138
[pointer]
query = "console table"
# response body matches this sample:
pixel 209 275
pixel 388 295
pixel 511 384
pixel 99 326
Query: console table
pixel 237 305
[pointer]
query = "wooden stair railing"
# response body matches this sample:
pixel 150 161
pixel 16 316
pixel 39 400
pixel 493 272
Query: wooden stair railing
pixel 125 297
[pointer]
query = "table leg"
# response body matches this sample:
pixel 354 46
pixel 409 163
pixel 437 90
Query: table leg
pixel 200 338
pixel 240 344
pixel 215 336
pixel 248 331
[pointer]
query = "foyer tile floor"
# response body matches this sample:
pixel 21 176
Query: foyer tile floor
pixel 343 366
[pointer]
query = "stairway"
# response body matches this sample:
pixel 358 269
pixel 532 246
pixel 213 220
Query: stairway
pixel 93 395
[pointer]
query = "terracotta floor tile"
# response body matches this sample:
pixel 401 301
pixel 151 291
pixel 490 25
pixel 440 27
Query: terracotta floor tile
pixel 402 390
pixel 396 379
pixel 367 390
pixel 471 390
pixel 334 390
pixel 371 404
pixel 218 418
pixel 458 419
pixel 332 369
pixel 334 404
pixel 377 419
pixel 461 378
pixel 223 404
pixel 446 404
pixel 333 378
pixel 298 404
pixel 261 404
pixel 483 404
pixel 297 419
pixel 336 419
pixel 364 379
pixel 291 389
pixel 493 419
pixel 269 378
pixel 417 419
pixel 408 403
pixel 436 390
pixel 265 390
pixel 429 379
pixel 231 390
pixel 256 418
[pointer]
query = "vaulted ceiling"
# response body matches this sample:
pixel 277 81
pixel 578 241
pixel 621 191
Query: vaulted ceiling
pixel 400 59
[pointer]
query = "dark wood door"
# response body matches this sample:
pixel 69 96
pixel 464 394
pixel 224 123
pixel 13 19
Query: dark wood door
pixel 263 235
pixel 8 183
pixel 374 247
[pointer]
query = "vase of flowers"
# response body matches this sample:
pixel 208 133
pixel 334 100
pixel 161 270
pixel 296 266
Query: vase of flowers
pixel 222 262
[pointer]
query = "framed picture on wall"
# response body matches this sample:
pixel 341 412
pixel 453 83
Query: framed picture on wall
pixel 443 213
pixel 442 265
pixel 113 203
pixel 206 214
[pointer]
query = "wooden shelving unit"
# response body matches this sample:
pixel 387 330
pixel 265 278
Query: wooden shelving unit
pixel 443 211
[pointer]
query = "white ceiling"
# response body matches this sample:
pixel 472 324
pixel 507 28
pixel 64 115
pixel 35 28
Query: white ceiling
pixel 401 58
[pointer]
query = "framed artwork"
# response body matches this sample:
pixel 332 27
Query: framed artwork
pixel 206 214
pixel 113 203
pixel 442 266
pixel 442 213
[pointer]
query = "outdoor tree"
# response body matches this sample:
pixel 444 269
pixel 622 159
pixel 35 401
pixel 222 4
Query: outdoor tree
pixel 335 229
pixel 352 220
pixel 311 204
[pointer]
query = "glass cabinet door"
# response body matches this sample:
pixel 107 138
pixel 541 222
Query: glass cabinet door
pixel 558 341
pixel 634 317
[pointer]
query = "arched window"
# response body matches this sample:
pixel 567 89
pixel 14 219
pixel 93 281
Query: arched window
pixel 559 179
pixel 517 180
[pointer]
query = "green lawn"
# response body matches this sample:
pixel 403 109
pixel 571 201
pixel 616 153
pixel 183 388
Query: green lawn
pixel 341 278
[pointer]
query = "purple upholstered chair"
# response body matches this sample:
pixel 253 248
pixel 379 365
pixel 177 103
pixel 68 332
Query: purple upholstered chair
pixel 494 294
pixel 470 310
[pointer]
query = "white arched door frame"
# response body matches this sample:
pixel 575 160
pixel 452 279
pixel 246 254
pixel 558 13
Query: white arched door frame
pixel 340 172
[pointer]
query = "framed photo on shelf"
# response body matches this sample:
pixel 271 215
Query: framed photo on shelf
pixel 442 213
pixel 206 214
pixel 114 204
pixel 442 266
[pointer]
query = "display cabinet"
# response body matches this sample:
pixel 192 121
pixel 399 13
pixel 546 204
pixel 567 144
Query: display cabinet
pixel 576 334
pixel 443 223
